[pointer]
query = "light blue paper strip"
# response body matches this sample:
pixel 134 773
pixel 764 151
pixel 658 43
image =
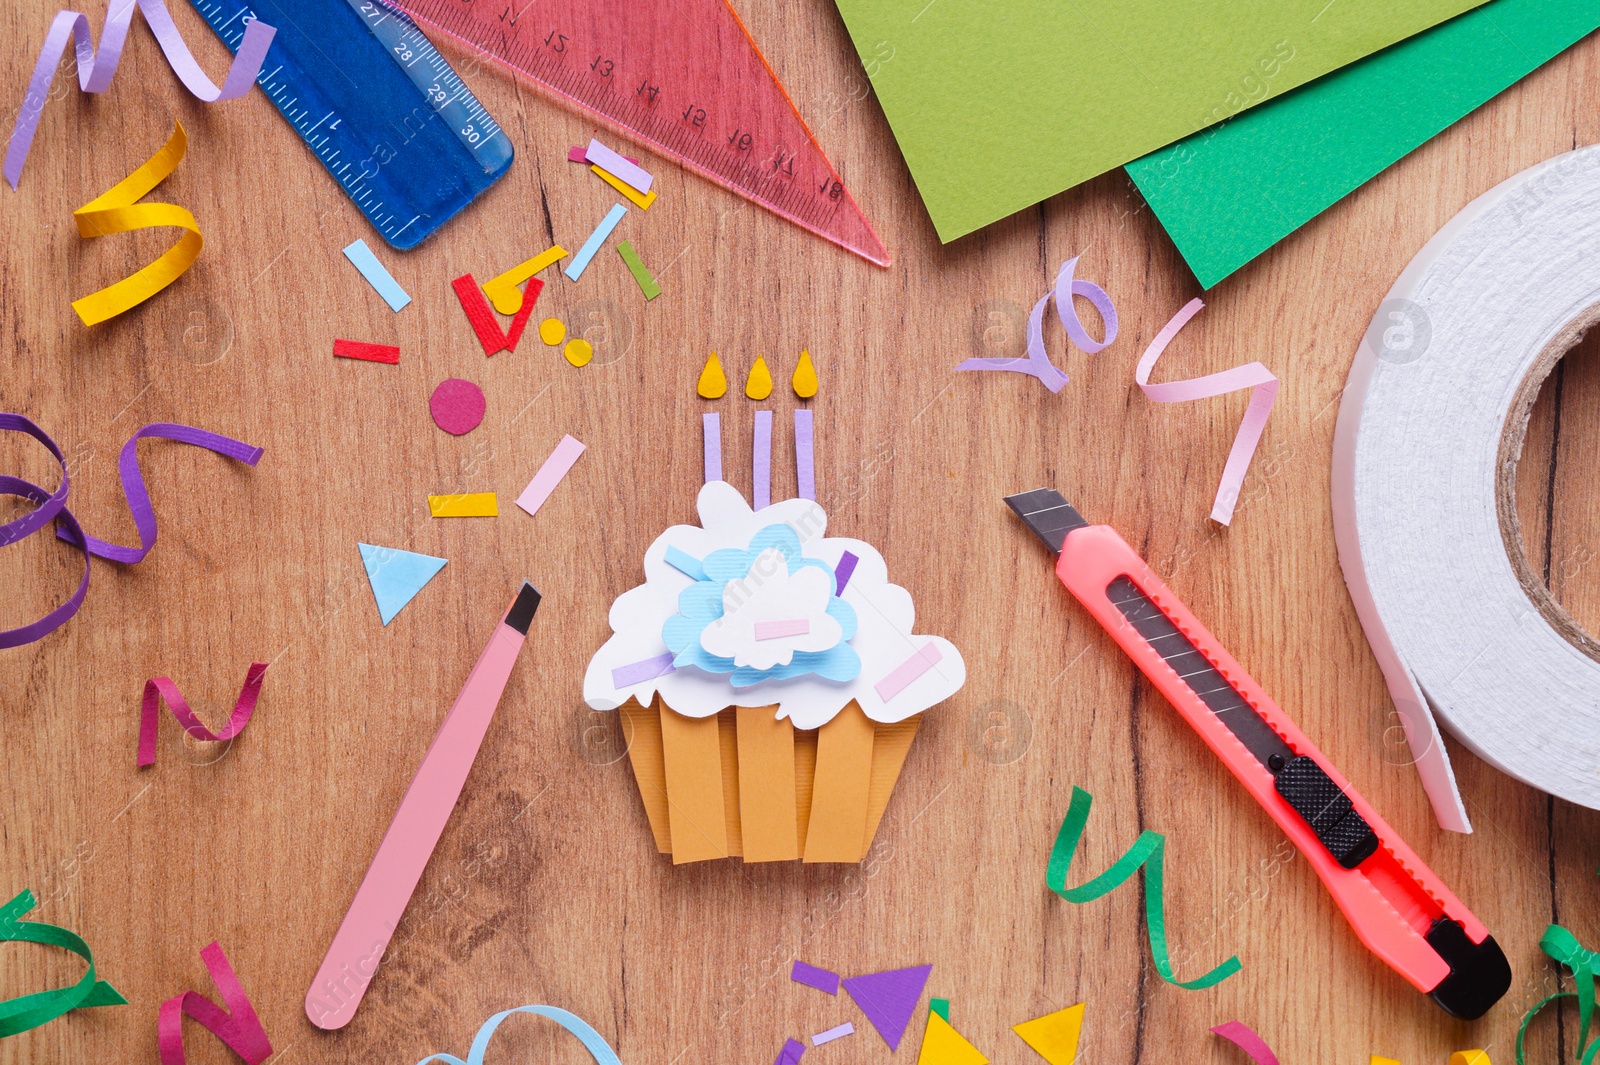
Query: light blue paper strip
pixel 377 276
pixel 580 261
pixel 685 563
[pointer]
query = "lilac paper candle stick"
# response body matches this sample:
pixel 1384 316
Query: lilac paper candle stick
pixel 761 460
pixel 804 463
pixel 713 431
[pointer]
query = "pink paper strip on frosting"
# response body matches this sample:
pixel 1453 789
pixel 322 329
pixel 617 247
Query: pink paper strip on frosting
pixel 96 68
pixel 1251 375
pixel 909 670
pixel 777 630
pixel 550 474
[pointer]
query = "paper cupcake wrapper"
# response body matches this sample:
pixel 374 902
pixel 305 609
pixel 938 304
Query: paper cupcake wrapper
pixel 745 784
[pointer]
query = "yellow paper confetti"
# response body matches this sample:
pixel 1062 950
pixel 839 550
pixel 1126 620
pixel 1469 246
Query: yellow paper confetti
pixel 503 291
pixel 1376 1060
pixel 1055 1035
pixel 643 201
pixel 713 382
pixel 579 351
pixel 805 376
pixel 116 212
pixel 1469 1057
pixel 552 331
pixel 759 384
pixel 943 1045
pixel 467 505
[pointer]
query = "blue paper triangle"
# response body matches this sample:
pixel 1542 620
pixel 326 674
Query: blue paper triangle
pixel 397 576
pixel 889 999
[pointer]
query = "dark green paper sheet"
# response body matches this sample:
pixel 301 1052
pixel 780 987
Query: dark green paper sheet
pixel 1229 193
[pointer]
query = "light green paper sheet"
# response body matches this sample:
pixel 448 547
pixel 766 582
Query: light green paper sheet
pixel 998 104
pixel 1228 194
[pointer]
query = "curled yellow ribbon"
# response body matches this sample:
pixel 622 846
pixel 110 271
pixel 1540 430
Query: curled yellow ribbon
pixel 117 212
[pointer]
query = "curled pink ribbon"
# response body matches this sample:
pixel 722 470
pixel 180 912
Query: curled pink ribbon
pixel 1038 363
pixel 1252 375
pixel 1248 1041
pixel 95 68
pixel 158 688
pixel 237 1026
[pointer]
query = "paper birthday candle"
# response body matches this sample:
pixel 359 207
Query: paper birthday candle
pixel 770 678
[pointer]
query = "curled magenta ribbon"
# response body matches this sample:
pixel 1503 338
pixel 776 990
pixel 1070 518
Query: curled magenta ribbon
pixel 1254 376
pixel 96 68
pixel 597 1047
pixel 52 506
pixel 1038 363
pixel 1147 851
pixel 1241 1036
pixel 1564 947
pixel 158 688
pixel 30 1011
pixel 238 1026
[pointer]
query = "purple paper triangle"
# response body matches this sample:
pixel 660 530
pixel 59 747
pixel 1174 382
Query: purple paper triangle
pixel 889 999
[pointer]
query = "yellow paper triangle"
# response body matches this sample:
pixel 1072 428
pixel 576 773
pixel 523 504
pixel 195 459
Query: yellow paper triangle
pixel 1055 1035
pixel 943 1045
pixel 805 376
pixel 713 382
pixel 759 383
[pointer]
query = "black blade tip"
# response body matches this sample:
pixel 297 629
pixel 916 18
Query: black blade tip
pixel 1048 514
pixel 520 616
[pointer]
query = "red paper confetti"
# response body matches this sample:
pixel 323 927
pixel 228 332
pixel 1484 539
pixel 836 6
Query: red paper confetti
pixel 360 349
pixel 482 316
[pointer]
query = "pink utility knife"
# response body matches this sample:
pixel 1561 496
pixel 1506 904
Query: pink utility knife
pixel 381 899
pixel 1400 909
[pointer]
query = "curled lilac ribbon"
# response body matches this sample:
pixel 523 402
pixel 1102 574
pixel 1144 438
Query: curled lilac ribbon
pixel 95 68
pixel 1038 363
pixel 1251 375
pixel 52 507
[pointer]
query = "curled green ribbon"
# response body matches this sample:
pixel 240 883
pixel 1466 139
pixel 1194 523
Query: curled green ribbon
pixel 1147 851
pixel 1564 947
pixel 30 1011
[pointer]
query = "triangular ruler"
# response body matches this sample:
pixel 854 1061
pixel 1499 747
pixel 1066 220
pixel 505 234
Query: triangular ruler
pixel 889 999
pixel 943 1045
pixel 685 79
pixel 1055 1035
pixel 397 576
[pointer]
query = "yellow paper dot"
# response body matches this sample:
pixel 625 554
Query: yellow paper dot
pixel 805 376
pixel 579 351
pixel 713 382
pixel 759 384
pixel 552 331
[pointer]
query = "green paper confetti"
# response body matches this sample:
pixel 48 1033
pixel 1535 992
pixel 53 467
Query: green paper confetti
pixel 941 1006
pixel 1146 851
pixel 636 267
pixel 30 1011
pixel 1564 947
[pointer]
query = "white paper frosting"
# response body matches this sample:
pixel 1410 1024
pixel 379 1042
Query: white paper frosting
pixel 883 638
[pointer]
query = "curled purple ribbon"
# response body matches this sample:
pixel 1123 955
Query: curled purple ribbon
pixel 1038 363
pixel 52 507
pixel 95 68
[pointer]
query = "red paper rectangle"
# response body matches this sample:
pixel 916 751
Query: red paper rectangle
pixel 482 318
pixel 360 349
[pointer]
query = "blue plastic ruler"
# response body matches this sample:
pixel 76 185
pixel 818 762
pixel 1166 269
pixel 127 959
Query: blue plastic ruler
pixel 376 102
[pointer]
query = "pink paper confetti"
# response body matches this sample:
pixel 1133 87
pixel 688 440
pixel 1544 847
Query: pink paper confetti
pixel 158 688
pixel 457 406
pixel 1248 1041
pixel 777 630
pixel 550 474
pixel 95 68
pixel 1251 375
pixel 1038 363
pixel 238 1026
pixel 902 675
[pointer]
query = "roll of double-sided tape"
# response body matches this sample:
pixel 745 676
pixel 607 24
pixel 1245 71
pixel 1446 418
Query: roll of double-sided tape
pixel 1430 429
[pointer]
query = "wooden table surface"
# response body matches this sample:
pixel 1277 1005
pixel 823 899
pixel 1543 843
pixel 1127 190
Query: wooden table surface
pixel 545 887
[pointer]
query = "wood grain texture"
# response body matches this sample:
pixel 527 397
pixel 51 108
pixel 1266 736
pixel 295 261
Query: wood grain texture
pixel 547 886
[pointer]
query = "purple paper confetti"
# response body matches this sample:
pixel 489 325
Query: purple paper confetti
pixel 842 572
pixel 811 976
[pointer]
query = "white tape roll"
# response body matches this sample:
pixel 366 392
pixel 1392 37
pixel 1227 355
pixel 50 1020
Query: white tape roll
pixel 1430 428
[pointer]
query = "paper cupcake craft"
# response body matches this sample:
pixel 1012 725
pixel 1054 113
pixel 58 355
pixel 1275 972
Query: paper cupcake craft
pixel 770 680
